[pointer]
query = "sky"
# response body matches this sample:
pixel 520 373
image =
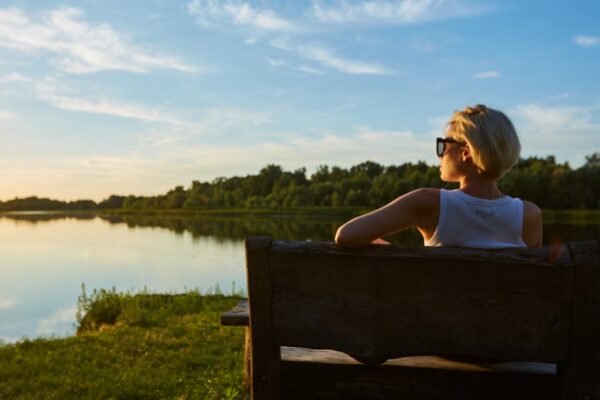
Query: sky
pixel 101 97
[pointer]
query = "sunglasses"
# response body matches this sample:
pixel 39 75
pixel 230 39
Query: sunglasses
pixel 440 145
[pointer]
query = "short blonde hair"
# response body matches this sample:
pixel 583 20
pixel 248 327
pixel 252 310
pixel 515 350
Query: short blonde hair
pixel 491 137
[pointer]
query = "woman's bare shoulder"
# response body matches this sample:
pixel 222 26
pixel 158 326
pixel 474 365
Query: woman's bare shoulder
pixel 427 195
pixel 532 224
pixel 422 199
pixel 531 211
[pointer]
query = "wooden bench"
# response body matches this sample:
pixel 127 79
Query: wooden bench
pixel 452 323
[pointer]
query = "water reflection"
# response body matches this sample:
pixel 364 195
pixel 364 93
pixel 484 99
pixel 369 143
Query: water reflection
pixel 283 227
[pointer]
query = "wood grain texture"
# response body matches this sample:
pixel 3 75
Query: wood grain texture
pixel 386 301
pixel 265 354
pixel 580 377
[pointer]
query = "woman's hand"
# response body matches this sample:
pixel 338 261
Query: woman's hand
pixel 380 241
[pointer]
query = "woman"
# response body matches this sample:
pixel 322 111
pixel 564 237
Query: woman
pixel 480 147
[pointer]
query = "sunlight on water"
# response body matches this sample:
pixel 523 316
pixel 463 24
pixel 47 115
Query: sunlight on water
pixel 43 264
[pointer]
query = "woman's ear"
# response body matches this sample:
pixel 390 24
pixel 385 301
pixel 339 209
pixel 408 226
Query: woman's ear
pixel 465 154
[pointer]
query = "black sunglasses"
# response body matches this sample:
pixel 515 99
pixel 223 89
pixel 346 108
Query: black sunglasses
pixel 440 145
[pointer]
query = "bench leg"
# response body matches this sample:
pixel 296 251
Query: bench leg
pixel 265 372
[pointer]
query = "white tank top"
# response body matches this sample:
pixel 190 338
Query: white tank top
pixel 468 221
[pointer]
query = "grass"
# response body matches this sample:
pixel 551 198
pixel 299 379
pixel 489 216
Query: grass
pixel 132 346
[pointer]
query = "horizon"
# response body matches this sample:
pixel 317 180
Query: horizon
pixel 137 98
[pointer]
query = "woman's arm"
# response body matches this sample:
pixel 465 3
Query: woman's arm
pixel 419 208
pixel 532 224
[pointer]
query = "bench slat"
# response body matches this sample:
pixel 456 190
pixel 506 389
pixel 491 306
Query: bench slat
pixel 238 315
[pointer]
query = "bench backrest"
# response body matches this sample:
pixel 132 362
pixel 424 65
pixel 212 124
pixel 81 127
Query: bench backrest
pixel 387 301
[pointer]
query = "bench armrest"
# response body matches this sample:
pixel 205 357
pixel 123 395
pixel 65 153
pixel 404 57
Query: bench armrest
pixel 238 315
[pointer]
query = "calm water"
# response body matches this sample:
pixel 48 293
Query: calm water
pixel 45 258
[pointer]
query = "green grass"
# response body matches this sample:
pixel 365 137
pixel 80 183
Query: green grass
pixel 144 346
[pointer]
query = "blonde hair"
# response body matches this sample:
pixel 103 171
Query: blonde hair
pixel 491 137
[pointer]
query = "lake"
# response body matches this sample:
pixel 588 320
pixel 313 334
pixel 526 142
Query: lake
pixel 46 257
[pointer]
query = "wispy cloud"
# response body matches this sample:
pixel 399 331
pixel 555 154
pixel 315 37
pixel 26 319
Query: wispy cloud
pixel 587 41
pixel 301 68
pixel 486 75
pixel 78 46
pixel 275 63
pixel 309 70
pixel 397 12
pixel 329 59
pixel 60 94
pixel 231 12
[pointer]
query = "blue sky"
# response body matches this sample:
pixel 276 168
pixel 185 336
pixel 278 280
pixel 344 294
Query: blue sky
pixel 101 97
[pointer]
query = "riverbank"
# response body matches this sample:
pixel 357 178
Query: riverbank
pixel 144 346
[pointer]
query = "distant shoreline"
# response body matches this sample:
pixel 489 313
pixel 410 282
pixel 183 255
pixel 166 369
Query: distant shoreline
pixel 569 216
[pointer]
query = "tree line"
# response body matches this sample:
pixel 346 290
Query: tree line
pixel 544 181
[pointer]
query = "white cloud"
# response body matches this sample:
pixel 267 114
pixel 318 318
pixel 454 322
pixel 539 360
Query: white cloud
pixel 79 47
pixel 14 77
pixel 214 12
pixel 392 12
pixel 327 58
pixel 570 130
pixel 6 304
pixel 250 41
pixel 587 41
pixel 7 116
pixel 486 75
pixel 58 322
